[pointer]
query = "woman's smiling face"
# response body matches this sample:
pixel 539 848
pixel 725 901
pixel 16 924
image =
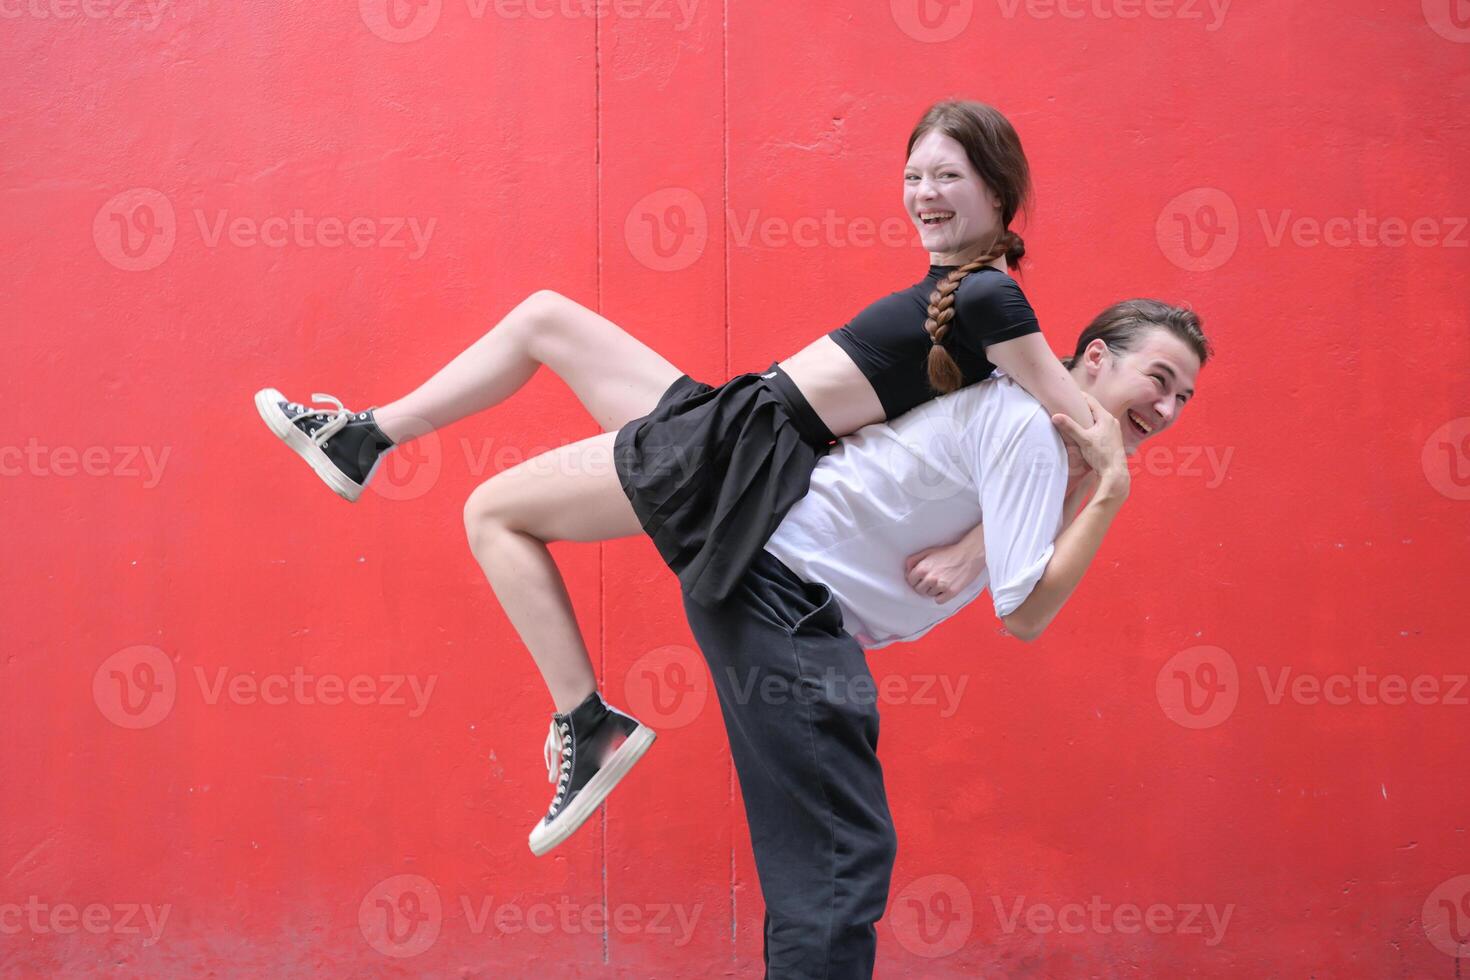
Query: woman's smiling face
pixel 939 181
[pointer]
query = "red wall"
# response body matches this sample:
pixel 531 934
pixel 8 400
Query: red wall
pixel 1306 521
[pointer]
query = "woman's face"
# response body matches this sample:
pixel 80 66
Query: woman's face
pixel 938 181
pixel 1150 384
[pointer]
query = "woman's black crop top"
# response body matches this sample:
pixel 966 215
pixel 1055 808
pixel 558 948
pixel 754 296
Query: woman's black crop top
pixel 889 344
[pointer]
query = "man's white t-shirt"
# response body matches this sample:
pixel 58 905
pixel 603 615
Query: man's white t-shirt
pixel 988 451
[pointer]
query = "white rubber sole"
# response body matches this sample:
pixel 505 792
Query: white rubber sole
pixel 267 404
pixel 546 836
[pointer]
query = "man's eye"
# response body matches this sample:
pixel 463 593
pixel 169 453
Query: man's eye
pixel 1160 379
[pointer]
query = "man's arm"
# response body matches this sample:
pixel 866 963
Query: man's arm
pixel 1076 546
pixel 1101 446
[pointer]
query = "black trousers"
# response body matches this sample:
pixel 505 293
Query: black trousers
pixel 800 707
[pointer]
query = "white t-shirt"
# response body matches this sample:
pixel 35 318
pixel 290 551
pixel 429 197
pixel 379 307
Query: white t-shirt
pixel 891 489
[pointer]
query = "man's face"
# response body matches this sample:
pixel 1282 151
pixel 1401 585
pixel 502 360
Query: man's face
pixel 940 185
pixel 1145 388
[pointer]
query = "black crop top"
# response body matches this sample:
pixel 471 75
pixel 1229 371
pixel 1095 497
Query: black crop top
pixel 889 344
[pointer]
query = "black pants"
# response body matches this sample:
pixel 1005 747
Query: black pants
pixel 801 711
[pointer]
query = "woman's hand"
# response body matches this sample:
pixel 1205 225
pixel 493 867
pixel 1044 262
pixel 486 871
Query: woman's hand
pixel 944 572
pixel 1101 443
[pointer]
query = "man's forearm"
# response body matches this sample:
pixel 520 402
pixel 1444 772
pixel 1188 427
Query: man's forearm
pixel 1075 548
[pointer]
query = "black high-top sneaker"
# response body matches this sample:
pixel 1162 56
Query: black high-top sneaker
pixel 598 745
pixel 342 446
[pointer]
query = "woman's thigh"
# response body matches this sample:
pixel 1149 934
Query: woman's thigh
pixel 571 493
pixel 615 376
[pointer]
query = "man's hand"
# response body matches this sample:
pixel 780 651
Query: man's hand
pixel 944 572
pixel 1100 444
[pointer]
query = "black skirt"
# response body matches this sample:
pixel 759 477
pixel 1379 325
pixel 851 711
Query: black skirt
pixel 711 472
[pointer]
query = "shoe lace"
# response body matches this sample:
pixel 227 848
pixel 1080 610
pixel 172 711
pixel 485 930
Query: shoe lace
pixel 558 729
pixel 332 425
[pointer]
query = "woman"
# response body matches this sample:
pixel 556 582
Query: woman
pixel 708 472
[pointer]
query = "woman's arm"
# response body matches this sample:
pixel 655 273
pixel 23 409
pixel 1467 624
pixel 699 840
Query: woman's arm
pixel 1031 362
pixel 1101 445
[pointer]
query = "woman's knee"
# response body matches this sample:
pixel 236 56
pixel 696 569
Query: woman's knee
pixel 488 513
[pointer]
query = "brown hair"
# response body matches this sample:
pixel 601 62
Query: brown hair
pixel 994 150
pixel 1122 325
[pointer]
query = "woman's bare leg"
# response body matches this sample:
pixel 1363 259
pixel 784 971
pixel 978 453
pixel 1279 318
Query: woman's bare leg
pixel 616 377
pixel 567 494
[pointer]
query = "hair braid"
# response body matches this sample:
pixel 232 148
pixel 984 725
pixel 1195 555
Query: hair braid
pixel 944 372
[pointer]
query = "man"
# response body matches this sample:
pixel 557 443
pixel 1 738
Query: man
pixel 786 650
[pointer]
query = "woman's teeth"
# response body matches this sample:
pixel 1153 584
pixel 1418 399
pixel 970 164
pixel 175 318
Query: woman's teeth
pixel 939 217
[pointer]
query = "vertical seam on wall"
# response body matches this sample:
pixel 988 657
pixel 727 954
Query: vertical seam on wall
pixel 725 244
pixel 602 545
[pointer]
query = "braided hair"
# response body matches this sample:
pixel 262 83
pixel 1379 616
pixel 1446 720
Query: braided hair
pixel 944 372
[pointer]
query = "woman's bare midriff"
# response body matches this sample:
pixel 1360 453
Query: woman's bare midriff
pixel 834 386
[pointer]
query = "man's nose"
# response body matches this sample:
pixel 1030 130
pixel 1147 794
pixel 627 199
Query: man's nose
pixel 1167 408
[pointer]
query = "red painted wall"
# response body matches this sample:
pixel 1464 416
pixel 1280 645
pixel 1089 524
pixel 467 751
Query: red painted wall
pixel 1253 710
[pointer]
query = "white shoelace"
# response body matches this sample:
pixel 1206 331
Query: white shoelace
pixel 551 763
pixel 333 425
